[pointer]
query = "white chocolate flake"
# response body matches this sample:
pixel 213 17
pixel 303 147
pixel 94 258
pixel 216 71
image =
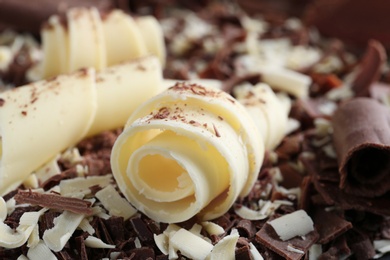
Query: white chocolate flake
pixel 64 226
pixel 212 228
pixel 190 245
pixel 81 184
pixel 254 252
pixel 295 250
pixel 289 81
pixel 3 209
pixel 297 223
pixel 225 248
pixel 86 226
pixel 161 242
pixel 40 251
pixel 95 242
pixel 114 203
pixel 33 239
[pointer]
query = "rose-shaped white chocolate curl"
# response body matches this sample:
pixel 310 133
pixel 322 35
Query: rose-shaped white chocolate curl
pixel 122 37
pixel 40 120
pixel 268 110
pixel 189 150
pixel 90 41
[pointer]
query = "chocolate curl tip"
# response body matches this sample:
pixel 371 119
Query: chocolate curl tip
pixel 361 136
pixel 370 68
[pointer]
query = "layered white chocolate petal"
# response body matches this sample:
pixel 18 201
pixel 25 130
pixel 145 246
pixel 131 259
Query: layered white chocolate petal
pixel 174 159
pixel 86 39
pixel 268 110
pixel 122 37
pixel 57 112
pixel 122 88
pixel 55 48
pixel 152 35
pixel 89 40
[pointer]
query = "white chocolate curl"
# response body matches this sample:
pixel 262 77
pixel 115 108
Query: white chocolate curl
pixel 39 120
pixel 90 41
pixel 188 151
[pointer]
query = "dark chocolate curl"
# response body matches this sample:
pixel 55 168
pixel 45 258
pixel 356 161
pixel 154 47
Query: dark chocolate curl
pixel 362 141
pixel 369 68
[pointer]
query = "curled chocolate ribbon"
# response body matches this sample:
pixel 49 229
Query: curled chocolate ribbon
pixel 362 142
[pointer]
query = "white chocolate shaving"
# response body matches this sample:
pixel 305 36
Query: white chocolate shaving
pixel 86 226
pixel 31 182
pixel 40 251
pixel 114 203
pixel 254 252
pixel 315 251
pixel 34 239
pixel 81 184
pixel 190 245
pixel 212 228
pixel 48 170
pixel 11 239
pixel 64 226
pixel 161 242
pixel 5 57
pixel 382 246
pixel 3 209
pixel 290 81
pixel 225 248
pixel 295 250
pixel 95 242
pixel 297 223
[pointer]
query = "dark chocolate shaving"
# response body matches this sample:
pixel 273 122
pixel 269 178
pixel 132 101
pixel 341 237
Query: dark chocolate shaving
pixel 56 179
pixel 246 228
pixel 329 225
pixel 54 201
pixel 362 142
pixel 144 234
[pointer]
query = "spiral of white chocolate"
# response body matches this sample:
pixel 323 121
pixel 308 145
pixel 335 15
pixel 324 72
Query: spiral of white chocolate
pixel 188 151
pixel 89 40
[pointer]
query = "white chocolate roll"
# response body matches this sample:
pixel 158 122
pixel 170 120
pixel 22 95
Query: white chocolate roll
pixel 123 38
pixel 152 35
pixel 40 120
pixel 56 48
pixel 88 40
pixel 122 88
pixel 175 156
pixel 268 110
